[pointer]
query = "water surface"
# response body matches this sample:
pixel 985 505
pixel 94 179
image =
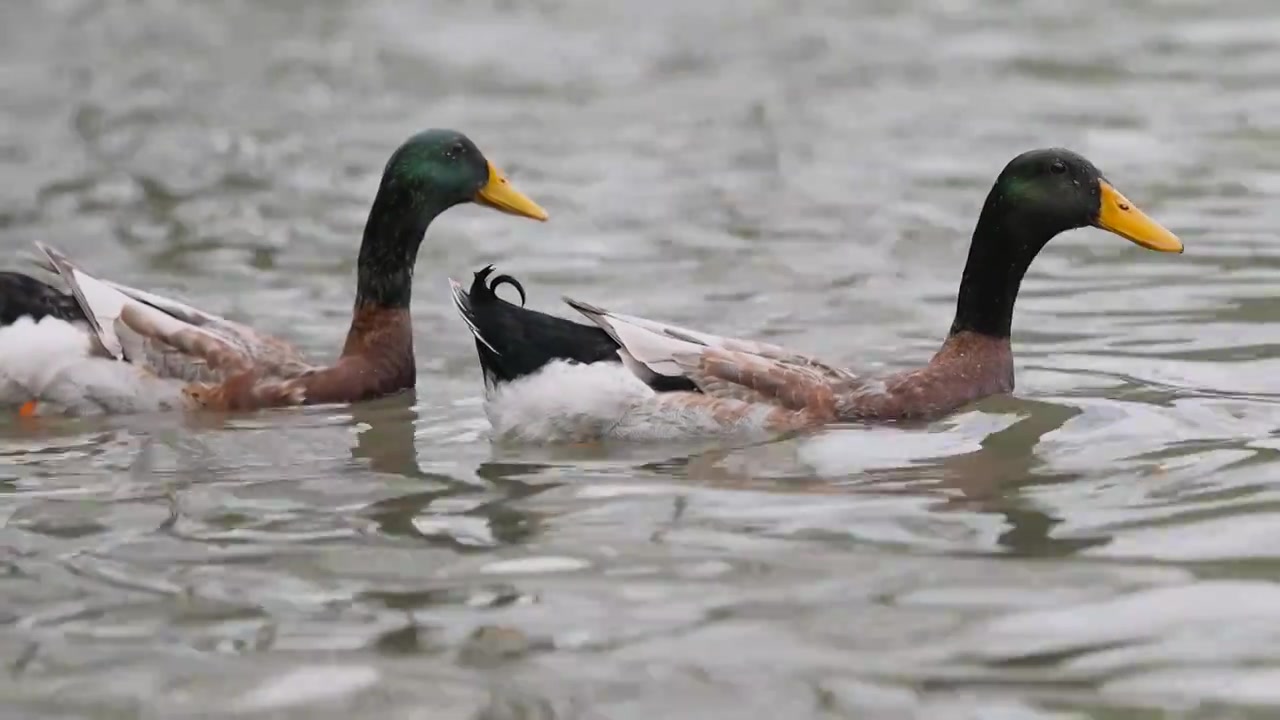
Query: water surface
pixel 1104 544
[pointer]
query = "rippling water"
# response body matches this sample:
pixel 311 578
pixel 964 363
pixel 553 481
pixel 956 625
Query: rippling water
pixel 1105 544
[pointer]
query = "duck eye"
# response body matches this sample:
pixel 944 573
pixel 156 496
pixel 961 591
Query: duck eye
pixel 455 151
pixel 1058 167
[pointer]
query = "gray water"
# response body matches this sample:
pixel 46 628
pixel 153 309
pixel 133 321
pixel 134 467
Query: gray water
pixel 1103 544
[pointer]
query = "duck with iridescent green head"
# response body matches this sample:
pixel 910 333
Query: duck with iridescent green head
pixel 549 379
pixel 80 344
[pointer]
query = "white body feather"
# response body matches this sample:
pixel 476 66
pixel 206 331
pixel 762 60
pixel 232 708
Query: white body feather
pixel 573 402
pixel 564 402
pixel 53 362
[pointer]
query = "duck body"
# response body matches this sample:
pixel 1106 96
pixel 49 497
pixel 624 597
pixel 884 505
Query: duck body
pixel 100 348
pixel 548 379
pixel 95 346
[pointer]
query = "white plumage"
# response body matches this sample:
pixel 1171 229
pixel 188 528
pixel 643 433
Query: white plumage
pixel 132 351
pixel 54 363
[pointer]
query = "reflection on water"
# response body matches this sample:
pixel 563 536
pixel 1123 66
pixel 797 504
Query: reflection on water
pixel 1101 545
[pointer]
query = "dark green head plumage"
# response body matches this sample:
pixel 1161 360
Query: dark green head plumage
pixel 440 167
pixel 429 173
pixel 1038 195
pixel 1056 187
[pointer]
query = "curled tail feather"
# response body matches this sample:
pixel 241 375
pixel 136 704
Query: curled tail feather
pixel 480 290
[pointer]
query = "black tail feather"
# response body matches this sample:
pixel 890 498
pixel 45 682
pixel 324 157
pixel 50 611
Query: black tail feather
pixel 513 341
pixel 497 281
pixel 25 296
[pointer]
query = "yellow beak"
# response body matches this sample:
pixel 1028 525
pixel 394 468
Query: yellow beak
pixel 500 195
pixel 1121 217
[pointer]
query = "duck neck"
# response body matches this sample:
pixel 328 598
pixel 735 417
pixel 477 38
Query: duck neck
pixel 1002 249
pixel 392 235
pixel 384 273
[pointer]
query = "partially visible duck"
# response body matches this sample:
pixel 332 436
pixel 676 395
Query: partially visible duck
pixel 548 379
pixel 103 347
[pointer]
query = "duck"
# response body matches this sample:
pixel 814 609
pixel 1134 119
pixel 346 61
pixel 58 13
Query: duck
pixel 76 344
pixel 617 376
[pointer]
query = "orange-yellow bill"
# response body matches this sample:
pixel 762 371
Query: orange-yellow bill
pixel 1121 217
pixel 500 195
pixel 28 409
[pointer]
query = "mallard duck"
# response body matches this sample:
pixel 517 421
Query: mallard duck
pixel 103 347
pixel 549 379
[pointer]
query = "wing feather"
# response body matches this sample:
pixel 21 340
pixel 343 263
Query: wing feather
pixel 724 367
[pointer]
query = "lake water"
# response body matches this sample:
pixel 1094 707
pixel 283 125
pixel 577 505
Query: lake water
pixel 1103 544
